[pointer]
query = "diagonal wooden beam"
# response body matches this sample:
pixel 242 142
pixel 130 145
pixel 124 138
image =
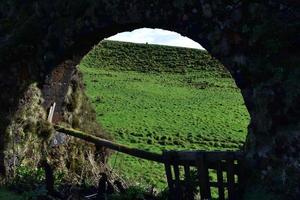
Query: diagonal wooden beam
pixel 111 145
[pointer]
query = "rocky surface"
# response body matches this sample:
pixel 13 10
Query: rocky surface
pixel 258 41
pixel 31 140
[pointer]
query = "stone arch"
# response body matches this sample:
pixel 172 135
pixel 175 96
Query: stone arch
pixel 252 39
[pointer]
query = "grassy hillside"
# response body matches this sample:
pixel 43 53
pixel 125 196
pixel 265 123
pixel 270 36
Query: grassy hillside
pixel 124 56
pixel 157 97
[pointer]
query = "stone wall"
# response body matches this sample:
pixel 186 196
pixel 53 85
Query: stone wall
pixel 30 139
pixel 256 40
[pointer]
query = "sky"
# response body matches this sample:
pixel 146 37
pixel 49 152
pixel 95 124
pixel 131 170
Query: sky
pixel 156 36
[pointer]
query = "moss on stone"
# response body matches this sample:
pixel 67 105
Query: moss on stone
pixel 30 138
pixel 23 142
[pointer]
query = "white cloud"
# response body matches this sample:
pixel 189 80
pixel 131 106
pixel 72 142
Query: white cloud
pixel 156 36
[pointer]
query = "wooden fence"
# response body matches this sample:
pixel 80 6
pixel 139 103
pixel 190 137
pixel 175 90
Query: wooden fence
pixel 186 171
pixel 197 168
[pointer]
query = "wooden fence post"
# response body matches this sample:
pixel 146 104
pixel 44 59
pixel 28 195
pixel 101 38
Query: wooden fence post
pixel 168 169
pixel 220 181
pixel 230 179
pixel 203 177
pixel 51 112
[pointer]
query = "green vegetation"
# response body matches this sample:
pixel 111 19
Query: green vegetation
pixel 7 195
pixel 156 98
pixel 28 183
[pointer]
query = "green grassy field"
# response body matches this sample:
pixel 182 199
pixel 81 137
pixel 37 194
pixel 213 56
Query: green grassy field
pixel 155 98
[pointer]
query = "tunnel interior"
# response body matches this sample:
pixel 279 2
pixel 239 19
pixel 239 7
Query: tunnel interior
pixel 251 39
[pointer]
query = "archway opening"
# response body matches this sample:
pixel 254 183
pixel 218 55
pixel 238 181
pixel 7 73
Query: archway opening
pixel 151 94
pixel 257 54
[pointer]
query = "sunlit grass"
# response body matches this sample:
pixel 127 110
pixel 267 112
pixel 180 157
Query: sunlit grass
pixel 155 111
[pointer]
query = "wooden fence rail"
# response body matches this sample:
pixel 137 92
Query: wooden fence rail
pixel 111 145
pixel 189 163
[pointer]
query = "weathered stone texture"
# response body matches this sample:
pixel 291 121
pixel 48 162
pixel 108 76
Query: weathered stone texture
pixel 258 41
